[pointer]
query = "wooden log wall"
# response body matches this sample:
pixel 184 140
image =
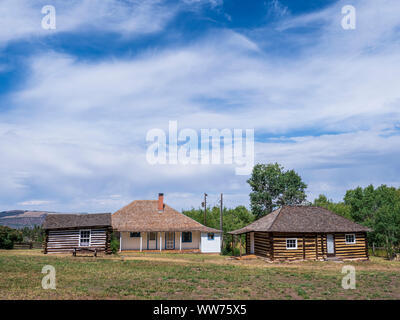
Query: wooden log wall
pixel 280 251
pixel 262 244
pixel 322 248
pixel 310 252
pixel 310 246
pixel 64 241
pixel 248 244
pixel 351 251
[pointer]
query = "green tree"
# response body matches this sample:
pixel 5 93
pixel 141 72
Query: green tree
pixel 339 208
pixel 272 187
pixel 33 234
pixel 387 228
pixel 8 236
pixel 378 209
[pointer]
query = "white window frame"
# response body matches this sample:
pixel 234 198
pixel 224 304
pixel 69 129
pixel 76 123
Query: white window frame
pixel 350 234
pixel 90 237
pixel 291 248
pixel 208 236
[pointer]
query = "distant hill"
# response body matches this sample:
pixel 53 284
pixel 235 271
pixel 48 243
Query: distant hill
pixel 22 218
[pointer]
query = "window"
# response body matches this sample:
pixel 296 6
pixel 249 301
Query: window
pixel 84 239
pixel 152 236
pixel 186 237
pixel 291 243
pixel 210 236
pixel 135 234
pixel 350 238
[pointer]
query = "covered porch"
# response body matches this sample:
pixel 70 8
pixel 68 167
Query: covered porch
pixel 181 241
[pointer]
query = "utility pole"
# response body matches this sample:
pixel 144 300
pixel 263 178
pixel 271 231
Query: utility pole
pixel 221 208
pixel 205 208
pixel 220 213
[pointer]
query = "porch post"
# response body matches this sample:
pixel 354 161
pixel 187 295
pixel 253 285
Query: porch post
pixel 233 246
pixel 120 241
pixel 240 244
pixel 180 241
pixel 141 242
pixel 160 241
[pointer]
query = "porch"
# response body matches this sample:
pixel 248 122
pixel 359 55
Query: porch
pixel 169 251
pixel 161 240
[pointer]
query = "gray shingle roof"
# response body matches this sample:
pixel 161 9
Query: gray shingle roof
pixel 63 221
pixel 302 219
pixel 143 215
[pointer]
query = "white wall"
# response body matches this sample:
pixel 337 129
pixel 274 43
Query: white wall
pixel 210 245
pixel 195 244
pixel 129 243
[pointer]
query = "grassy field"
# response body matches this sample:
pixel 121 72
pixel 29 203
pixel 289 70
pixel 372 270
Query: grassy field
pixel 190 276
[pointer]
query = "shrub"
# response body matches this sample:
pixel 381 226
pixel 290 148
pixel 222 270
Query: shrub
pixel 8 236
pixel 114 244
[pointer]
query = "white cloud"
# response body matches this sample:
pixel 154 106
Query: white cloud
pixel 21 19
pixel 34 203
pixel 77 129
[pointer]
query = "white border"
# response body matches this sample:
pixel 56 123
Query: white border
pixel 90 237
pixel 350 234
pixel 291 239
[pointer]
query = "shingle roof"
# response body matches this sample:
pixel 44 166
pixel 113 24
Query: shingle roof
pixel 63 221
pixel 143 215
pixel 302 219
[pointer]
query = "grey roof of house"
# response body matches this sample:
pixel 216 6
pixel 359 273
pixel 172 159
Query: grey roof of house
pixel 304 219
pixel 143 215
pixel 64 221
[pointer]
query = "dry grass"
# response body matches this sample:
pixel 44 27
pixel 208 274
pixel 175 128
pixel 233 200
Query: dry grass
pixel 190 276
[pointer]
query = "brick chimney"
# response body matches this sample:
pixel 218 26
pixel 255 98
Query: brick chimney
pixel 160 202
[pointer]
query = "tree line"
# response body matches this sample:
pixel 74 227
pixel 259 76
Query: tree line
pixel 9 236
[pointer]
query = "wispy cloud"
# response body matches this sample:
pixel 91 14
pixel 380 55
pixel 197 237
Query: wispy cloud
pixel 34 203
pixel 21 19
pixel 75 131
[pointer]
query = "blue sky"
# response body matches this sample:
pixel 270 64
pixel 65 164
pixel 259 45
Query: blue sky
pixel 76 102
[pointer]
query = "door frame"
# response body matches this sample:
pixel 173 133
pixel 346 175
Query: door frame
pixel 148 240
pixel 334 245
pixel 173 236
pixel 251 242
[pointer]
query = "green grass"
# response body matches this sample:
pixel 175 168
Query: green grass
pixel 189 276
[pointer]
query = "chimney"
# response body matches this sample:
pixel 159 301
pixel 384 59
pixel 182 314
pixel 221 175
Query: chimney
pixel 160 202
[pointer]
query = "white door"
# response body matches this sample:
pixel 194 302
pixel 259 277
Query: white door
pixel 330 244
pixel 152 240
pixel 251 242
pixel 169 240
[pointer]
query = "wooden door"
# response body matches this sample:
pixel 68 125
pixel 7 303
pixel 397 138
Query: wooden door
pixel 169 241
pixel 330 244
pixel 152 240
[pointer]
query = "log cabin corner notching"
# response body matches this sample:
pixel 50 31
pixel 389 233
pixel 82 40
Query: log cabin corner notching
pixel 305 233
pixel 150 225
pixel 66 232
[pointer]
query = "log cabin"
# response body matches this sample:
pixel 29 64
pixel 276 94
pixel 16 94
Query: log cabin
pixel 305 233
pixel 66 233
pixel 152 225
